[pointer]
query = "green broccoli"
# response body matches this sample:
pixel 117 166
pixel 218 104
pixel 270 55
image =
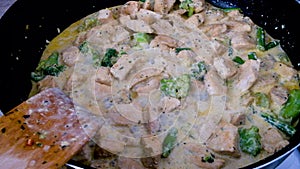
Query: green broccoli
pixel 177 87
pixel 250 140
pixel 169 142
pixel 88 23
pixel 188 6
pixel 262 100
pixel 291 108
pixel 50 66
pixel 111 56
pixel 199 70
pixel 86 49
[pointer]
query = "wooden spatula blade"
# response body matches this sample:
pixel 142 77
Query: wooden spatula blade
pixel 42 132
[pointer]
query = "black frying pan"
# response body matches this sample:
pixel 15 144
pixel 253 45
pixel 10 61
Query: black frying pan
pixel 21 48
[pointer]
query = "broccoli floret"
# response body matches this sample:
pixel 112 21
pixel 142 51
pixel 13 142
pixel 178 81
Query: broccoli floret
pixel 142 37
pixel 177 87
pixel 199 70
pixel 87 49
pixel 50 66
pixel 262 100
pixel 88 23
pixel 188 6
pixel 169 142
pixel 250 140
pixel 111 56
pixel 291 109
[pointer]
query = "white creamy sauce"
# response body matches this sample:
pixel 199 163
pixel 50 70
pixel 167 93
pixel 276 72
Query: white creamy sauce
pixel 128 99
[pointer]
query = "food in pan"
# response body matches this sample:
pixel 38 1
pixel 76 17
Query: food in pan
pixel 175 84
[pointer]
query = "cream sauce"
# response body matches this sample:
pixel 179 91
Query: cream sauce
pixel 131 99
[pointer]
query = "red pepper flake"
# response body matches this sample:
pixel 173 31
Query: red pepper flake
pixel 30 142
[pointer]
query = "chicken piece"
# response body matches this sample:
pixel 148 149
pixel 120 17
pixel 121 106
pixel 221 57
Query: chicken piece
pixel 264 82
pixel 214 84
pixel 241 41
pixel 246 99
pixel 130 8
pixel 151 146
pixel 164 42
pixel 279 94
pixel 122 67
pixel 103 76
pixel 236 15
pixel 218 47
pixel 129 163
pixel 225 140
pixel 135 25
pixel 168 104
pixel 199 5
pixel 248 74
pixel 273 141
pixel 118 119
pixel 102 92
pixel 238 119
pixel 105 15
pixel 148 16
pixel 147 85
pixel 188 57
pixel 225 68
pixel 286 72
pixel 213 30
pixel 143 75
pixel 203 157
pixel 162 27
pixel 195 20
pixel 239 26
pixel 70 55
pixel 154 126
pixel 149 4
pixel 47 82
pixel 163 6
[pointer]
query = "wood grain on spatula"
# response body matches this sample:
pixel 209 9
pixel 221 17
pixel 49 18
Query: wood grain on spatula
pixel 42 132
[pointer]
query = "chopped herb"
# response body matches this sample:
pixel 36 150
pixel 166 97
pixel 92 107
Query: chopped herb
pixel 238 60
pixel 281 125
pixel 252 55
pixel 261 42
pixel 272 44
pixel 260 39
pixel 208 159
pixel 177 50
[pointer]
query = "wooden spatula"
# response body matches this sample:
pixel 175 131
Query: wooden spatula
pixel 42 132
